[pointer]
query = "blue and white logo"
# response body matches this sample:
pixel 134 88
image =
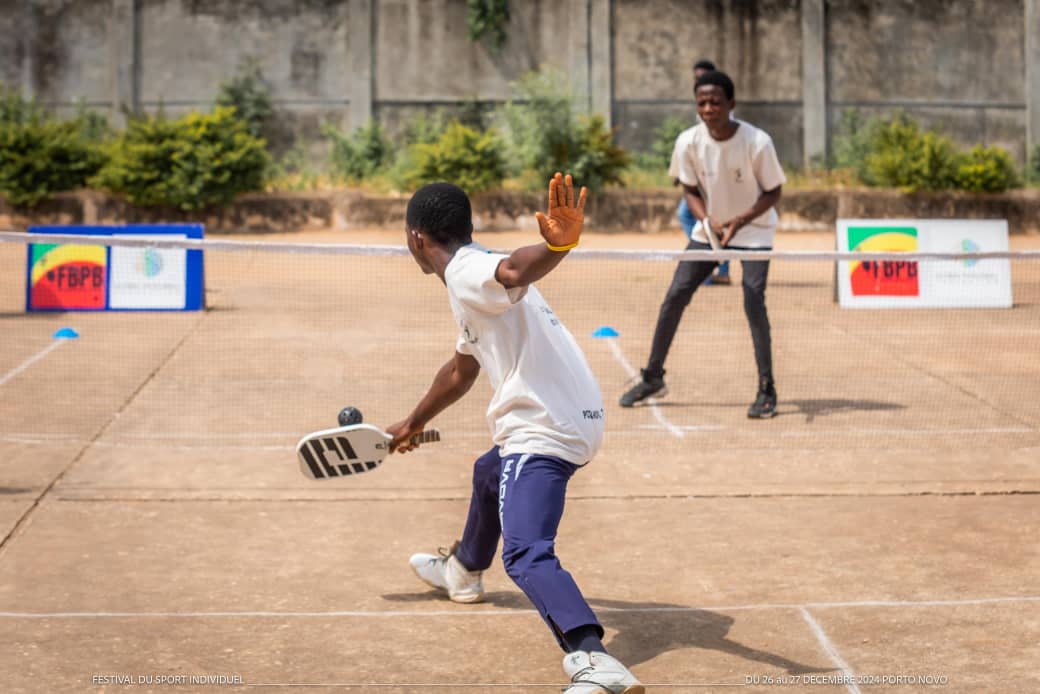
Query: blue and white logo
pixel 969 246
pixel 150 262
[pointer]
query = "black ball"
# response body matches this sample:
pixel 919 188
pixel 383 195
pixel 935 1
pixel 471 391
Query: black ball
pixel 349 415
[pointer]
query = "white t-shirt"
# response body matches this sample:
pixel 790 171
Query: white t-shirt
pixel 731 175
pixel 546 399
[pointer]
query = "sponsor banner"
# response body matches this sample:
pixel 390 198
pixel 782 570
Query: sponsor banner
pixel 925 284
pixel 67 277
pixel 148 278
pixel 83 277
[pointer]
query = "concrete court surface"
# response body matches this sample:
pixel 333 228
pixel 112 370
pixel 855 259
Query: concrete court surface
pixel 880 534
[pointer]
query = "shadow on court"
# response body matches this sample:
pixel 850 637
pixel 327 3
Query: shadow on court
pixel 653 630
pixel 822 407
pixel 809 408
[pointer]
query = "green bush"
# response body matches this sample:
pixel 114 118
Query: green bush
pixel 488 18
pixel 472 113
pixel 360 154
pixel 40 156
pixel 296 170
pixel 853 142
pixel 423 128
pixel 189 163
pixel 902 156
pixel 250 96
pixel 665 137
pixel 16 109
pixel 544 135
pixel 533 123
pixel 649 169
pixel 469 159
pixel 1033 168
pixel 598 160
pixel 92 125
pixel 897 153
pixel 986 170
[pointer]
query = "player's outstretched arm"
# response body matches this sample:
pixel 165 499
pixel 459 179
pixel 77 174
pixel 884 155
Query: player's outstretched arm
pixel 452 381
pixel 561 230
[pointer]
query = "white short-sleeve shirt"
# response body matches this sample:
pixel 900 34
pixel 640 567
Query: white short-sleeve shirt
pixel 731 175
pixel 546 399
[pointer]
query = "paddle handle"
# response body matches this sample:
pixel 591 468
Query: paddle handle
pixel 428 436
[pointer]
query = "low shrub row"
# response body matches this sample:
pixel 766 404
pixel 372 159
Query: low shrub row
pixel 897 153
pixel 205 159
pixel 189 163
pixel 526 140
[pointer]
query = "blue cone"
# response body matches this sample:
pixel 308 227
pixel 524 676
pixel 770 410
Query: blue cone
pixel 604 331
pixel 66 334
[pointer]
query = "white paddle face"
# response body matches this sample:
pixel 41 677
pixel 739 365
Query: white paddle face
pixel 341 452
pixel 349 450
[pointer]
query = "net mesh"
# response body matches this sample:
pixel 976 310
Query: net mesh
pixel 216 399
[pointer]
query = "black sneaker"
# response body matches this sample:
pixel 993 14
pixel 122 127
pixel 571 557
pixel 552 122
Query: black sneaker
pixel 764 406
pixel 646 388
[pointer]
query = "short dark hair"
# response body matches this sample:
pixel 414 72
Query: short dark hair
pixel 716 78
pixel 442 211
pixel 703 64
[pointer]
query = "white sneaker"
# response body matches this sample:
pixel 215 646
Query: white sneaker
pixel 596 673
pixel 446 572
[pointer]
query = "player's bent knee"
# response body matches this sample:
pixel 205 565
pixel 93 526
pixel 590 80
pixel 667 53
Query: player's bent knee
pixel 522 558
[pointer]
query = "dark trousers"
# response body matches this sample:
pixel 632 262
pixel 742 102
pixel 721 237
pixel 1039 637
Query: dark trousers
pixel 688 276
pixel 521 498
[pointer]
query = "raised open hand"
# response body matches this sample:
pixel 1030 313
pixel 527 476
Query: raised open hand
pixel 562 228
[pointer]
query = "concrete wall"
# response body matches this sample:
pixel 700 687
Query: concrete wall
pixel 954 65
pixel 63 50
pixel 959 65
pixel 423 58
pixel 757 43
pixel 189 47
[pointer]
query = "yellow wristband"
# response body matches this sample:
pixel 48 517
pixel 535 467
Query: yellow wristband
pixel 560 249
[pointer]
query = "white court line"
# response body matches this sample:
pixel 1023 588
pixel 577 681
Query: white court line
pixel 906 432
pixel 186 441
pixel 685 427
pixel 831 651
pixel 207 435
pixel 926 603
pixel 820 433
pixel 291 435
pixel 51 439
pixel 615 348
pixel 527 611
pixel 195 447
pixel 31 360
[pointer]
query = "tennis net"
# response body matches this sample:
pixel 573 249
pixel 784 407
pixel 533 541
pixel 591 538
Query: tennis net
pixel 290 333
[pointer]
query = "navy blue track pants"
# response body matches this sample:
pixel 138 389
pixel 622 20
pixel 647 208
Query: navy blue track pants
pixel 520 498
